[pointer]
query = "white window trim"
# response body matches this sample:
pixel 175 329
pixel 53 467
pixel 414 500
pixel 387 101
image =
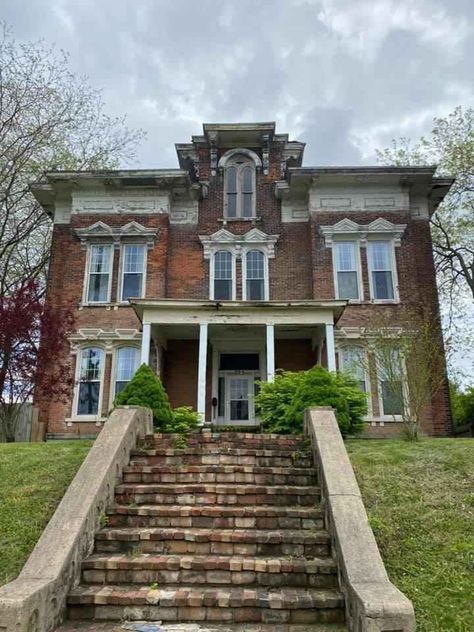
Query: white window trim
pixel 121 264
pixel 239 185
pixel 212 273
pixel 114 368
pixel 393 261
pixel 266 276
pixel 340 351
pixel 360 283
pixel 74 414
pixel 85 293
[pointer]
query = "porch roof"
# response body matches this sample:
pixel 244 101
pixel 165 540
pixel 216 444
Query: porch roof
pixel 309 312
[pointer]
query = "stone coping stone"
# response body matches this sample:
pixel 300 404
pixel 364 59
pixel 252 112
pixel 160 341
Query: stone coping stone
pixel 373 603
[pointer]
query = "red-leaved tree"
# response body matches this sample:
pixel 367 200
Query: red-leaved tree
pixel 33 352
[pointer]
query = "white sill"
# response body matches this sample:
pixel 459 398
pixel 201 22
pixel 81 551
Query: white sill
pixel 224 220
pixel 88 419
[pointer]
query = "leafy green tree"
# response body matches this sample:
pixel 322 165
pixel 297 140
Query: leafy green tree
pixel 462 404
pixel 450 146
pixel 50 119
pixel 280 404
pixel 145 389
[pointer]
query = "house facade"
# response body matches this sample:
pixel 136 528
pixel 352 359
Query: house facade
pixel 236 264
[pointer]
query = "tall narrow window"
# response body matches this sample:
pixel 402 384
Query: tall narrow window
pixel 390 375
pixel 223 276
pixel 347 276
pixel 133 268
pixel 381 270
pixel 90 377
pixel 240 187
pixel 231 176
pixel 127 363
pixel 353 362
pixel 255 275
pixel 99 273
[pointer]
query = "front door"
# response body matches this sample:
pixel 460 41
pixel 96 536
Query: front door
pixel 239 398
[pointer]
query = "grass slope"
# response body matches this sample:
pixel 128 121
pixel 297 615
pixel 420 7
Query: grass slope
pixel 33 479
pixel 420 500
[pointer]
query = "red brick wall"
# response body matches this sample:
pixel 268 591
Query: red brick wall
pixel 302 269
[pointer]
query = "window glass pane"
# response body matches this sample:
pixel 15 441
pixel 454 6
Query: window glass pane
pixel 99 259
pixel 353 363
pixel 239 410
pixel 127 363
pixel 345 256
pixel 239 362
pixel 221 397
pixel 255 290
pixel 231 174
pixel 91 364
pixel 232 205
pixel 379 252
pixel 382 285
pixel 255 264
pixel 88 402
pixel 131 286
pixel 133 258
pixel 98 288
pixel 223 265
pixel 247 209
pixel 347 285
pixel 247 184
pixel 392 397
pixel 222 290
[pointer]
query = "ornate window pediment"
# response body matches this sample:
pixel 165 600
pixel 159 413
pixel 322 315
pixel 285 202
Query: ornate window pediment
pixel 348 229
pixel 254 238
pixel 104 232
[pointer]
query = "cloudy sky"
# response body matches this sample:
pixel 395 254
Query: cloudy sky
pixel 345 76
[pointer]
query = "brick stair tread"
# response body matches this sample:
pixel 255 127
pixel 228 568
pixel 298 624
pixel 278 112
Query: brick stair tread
pixel 146 561
pixel 217 469
pixel 205 596
pixel 220 450
pixel 135 534
pixel 251 511
pixel 98 626
pixel 216 488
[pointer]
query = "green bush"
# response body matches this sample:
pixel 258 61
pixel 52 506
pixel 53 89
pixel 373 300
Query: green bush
pixel 185 419
pixel 145 389
pixel 280 404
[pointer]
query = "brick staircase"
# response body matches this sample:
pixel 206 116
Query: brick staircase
pixel 227 530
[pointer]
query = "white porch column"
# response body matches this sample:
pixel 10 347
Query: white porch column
pixel 330 349
pixel 146 338
pixel 201 393
pixel 270 352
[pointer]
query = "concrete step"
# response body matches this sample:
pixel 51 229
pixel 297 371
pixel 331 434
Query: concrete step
pixel 216 516
pixel 176 541
pixel 95 626
pixel 203 603
pixel 213 455
pixel 216 494
pixel 210 570
pixel 250 474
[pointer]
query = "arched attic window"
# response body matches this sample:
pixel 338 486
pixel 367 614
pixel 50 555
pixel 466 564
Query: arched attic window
pixel 239 196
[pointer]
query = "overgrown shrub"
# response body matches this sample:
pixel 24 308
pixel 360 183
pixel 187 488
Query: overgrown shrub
pixel 145 389
pixel 280 404
pixel 185 419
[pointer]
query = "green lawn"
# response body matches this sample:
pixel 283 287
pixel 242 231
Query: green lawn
pixel 420 500
pixel 33 479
